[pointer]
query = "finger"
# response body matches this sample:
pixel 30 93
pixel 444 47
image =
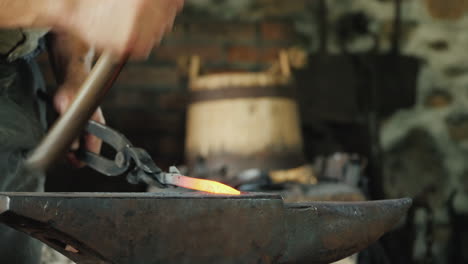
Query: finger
pixel 154 24
pixel 180 5
pixel 74 161
pixel 75 145
pixel 144 42
pixel 126 48
pixel 139 50
pixel 93 144
pixel 170 23
pixel 61 102
pixel 98 116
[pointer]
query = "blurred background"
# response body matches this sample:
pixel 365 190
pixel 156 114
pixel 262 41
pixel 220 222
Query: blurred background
pixel 379 90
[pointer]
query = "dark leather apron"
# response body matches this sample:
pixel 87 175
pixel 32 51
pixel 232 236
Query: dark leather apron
pixel 20 130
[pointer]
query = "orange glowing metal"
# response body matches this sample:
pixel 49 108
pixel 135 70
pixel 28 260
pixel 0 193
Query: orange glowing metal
pixel 203 185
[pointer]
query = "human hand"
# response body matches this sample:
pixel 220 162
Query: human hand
pixel 62 101
pixel 122 26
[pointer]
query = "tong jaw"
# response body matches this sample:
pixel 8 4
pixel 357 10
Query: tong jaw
pixel 164 177
pixel 134 161
pixel 144 169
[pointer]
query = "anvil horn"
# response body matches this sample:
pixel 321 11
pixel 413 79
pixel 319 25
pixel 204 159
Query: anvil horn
pixel 324 232
pixel 197 228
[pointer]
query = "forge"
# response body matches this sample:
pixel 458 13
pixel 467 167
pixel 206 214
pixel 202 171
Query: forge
pixel 124 228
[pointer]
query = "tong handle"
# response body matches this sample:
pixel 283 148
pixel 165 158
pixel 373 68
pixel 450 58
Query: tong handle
pixel 134 161
pixel 120 164
pixel 101 164
pixel 108 135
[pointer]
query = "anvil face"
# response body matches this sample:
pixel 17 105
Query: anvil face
pixel 197 228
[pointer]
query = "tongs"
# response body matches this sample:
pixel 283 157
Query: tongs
pixel 138 165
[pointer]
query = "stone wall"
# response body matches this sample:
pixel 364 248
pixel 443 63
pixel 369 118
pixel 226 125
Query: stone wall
pixel 425 147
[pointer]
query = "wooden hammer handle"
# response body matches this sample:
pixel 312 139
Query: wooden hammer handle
pixel 69 126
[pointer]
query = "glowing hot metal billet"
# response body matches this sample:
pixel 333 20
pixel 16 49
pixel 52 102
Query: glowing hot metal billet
pixel 201 185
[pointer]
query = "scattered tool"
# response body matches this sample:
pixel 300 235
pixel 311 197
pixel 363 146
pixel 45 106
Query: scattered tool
pixel 138 165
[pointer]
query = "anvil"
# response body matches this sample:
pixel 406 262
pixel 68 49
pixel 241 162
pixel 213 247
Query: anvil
pixel 144 228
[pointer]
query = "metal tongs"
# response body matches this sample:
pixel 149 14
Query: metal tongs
pixel 136 162
pixel 138 165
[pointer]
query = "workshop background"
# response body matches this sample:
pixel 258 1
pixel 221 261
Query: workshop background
pixel 397 97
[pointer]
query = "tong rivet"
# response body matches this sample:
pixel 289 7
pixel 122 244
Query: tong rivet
pixel 120 160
